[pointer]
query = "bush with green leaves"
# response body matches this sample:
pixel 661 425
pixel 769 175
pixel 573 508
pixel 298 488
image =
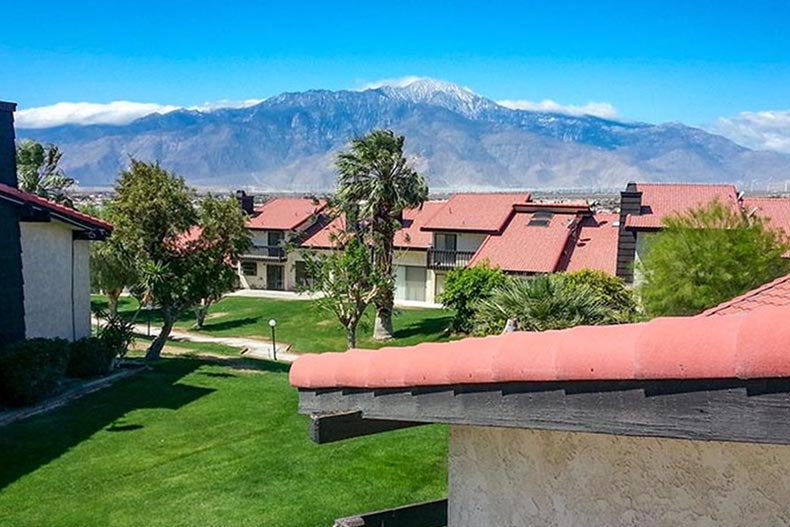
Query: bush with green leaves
pixel 116 333
pixel 464 288
pixel 540 303
pixel 611 289
pixel 31 370
pixel 708 256
pixel 90 357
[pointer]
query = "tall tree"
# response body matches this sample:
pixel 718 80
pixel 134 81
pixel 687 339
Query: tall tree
pixel 707 256
pixel 38 172
pixel 183 253
pixel 348 281
pixel 375 185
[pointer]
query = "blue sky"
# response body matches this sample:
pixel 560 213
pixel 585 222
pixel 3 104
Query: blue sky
pixel 692 61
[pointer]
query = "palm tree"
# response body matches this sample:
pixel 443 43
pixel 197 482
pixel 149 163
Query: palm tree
pixel 542 303
pixel 375 185
pixel 38 172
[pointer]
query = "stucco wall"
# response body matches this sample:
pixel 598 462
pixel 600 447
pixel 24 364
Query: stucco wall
pixel 513 478
pixel 47 270
pixel 642 241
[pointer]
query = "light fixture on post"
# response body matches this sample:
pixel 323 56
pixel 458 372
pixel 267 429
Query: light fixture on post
pixel 273 324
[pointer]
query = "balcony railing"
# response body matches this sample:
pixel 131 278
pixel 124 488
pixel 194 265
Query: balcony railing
pixel 267 252
pixel 448 259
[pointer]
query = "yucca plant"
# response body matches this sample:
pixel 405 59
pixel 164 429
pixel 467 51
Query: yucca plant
pixel 541 303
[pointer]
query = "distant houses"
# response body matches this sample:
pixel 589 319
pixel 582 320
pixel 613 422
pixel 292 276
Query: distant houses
pixel 510 231
pixel 44 257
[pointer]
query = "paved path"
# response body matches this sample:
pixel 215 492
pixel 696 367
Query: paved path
pixel 292 295
pixel 255 348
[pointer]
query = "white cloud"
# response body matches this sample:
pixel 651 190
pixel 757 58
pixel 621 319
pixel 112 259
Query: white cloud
pixel 598 109
pixel 767 130
pixel 117 112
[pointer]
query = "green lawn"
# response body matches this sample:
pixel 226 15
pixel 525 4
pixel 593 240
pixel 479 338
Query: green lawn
pixel 189 443
pixel 302 323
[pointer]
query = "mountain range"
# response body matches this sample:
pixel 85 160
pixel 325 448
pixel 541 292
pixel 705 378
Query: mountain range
pixel 456 138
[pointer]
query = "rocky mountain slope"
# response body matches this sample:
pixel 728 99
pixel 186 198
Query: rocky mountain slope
pixel 455 137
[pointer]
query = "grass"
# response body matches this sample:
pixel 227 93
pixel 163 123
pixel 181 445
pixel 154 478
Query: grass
pixel 190 443
pixel 301 323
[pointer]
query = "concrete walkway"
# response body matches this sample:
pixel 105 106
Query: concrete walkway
pixel 293 295
pixel 255 348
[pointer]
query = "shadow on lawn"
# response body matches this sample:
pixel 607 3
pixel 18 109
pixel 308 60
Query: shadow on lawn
pixel 32 443
pixel 235 323
pixel 428 326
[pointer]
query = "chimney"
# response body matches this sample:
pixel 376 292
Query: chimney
pixel 630 205
pixel 12 323
pixel 7 145
pixel 247 203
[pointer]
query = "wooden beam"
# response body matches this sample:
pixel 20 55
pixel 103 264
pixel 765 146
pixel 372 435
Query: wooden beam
pixel 328 428
pixel 756 410
pixel 426 514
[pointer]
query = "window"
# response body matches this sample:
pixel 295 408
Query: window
pixel 274 278
pixel 410 283
pixel 540 219
pixel 249 268
pixel 446 242
pixel 303 278
pixel 274 241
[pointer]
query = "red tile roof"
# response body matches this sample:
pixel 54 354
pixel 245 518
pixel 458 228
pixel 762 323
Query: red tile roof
pixel 411 236
pixel 284 213
pixel 475 212
pixel 662 200
pixel 323 238
pixel 776 210
pixel 750 345
pixel 776 293
pixel 527 248
pixel 62 212
pixel 596 244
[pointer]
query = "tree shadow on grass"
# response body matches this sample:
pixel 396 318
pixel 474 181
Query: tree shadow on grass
pixel 29 444
pixel 425 327
pixel 209 327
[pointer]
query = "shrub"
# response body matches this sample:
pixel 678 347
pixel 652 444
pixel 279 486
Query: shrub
pixel 117 334
pixel 541 303
pixel 30 370
pixel 707 256
pixel 611 289
pixel 90 357
pixel 464 288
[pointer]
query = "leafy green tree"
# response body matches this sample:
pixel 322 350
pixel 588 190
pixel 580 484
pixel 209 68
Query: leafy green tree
pixel 375 185
pixel 348 281
pixel 38 172
pixel 183 253
pixel 541 303
pixel 464 288
pixel 707 256
pixel 111 271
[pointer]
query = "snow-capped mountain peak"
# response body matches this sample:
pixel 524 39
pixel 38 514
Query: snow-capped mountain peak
pixel 437 92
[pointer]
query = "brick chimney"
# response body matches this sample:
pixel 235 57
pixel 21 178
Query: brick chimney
pixel 630 205
pixel 12 322
pixel 247 203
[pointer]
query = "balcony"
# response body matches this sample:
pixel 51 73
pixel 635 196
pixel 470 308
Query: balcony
pixel 274 253
pixel 446 260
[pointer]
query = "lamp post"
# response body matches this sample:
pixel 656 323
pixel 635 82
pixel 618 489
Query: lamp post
pixel 273 324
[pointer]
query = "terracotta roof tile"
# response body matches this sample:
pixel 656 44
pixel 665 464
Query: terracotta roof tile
pixel 775 293
pixel 411 235
pixel 84 220
pixel 475 212
pixel 776 210
pixel 284 213
pixel 596 244
pixel 322 238
pixel 749 345
pixel 662 200
pixel 527 248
